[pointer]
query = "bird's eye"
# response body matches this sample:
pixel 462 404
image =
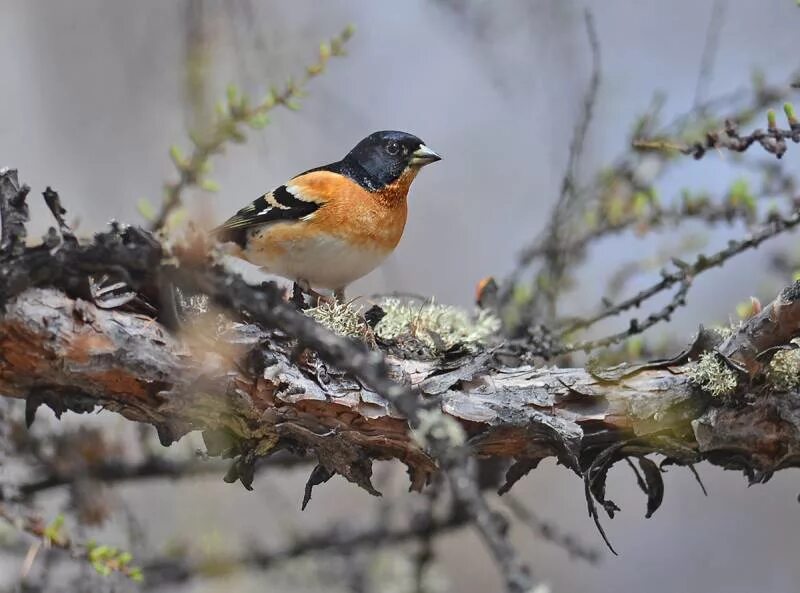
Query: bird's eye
pixel 392 148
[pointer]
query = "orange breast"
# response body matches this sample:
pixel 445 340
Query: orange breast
pixel 374 219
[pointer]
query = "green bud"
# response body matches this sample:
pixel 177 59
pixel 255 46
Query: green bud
pixel 771 120
pixel 788 109
pixel 640 203
pixel 98 553
pixel 103 570
pixel 209 185
pixel 232 92
pixel 324 51
pixel 258 121
pixel 146 209
pixel 53 531
pixel 177 156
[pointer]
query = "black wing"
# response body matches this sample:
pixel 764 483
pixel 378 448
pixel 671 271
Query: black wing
pixel 280 204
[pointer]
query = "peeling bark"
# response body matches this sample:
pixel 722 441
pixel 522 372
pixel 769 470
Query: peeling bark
pixel 72 355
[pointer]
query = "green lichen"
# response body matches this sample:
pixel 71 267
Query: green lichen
pixel 784 370
pixel 341 318
pixel 439 327
pixel 712 376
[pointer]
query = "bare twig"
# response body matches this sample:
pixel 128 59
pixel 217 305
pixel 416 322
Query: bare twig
pixel 555 260
pixel 684 277
pixel 550 533
pixel 657 218
pixel 772 140
pixel 710 47
pixel 339 539
pixel 492 526
pixel 151 468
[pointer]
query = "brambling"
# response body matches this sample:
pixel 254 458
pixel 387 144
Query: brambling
pixel 333 224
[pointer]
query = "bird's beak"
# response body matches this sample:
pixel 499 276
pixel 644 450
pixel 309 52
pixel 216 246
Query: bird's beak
pixel 423 156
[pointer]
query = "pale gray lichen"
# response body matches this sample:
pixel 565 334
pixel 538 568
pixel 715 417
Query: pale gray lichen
pixel 712 376
pixel 192 305
pixel 784 370
pixel 341 318
pixel 724 331
pixel 434 424
pixel 437 326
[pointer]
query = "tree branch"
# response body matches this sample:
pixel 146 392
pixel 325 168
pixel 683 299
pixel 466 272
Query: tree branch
pixel 130 365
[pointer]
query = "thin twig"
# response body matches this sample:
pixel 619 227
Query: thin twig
pixel 550 533
pixel 684 276
pixel 658 218
pixel 339 539
pixel 568 199
pixel 772 140
pixel 709 52
pixel 492 527
pixel 151 468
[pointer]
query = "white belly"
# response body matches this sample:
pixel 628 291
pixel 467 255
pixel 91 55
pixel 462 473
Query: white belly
pixel 324 261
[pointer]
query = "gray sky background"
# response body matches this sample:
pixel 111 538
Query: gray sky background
pixel 92 97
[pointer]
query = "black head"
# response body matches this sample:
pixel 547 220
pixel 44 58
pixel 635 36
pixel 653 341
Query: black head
pixel 383 156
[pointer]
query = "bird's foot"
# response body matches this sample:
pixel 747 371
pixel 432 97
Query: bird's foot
pixel 298 296
pixel 302 288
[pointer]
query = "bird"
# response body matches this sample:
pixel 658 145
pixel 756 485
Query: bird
pixel 331 225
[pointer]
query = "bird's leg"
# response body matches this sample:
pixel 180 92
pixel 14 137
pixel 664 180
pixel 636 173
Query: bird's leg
pixel 338 294
pixel 298 295
pixel 305 287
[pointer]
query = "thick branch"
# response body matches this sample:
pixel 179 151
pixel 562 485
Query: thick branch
pixel 130 365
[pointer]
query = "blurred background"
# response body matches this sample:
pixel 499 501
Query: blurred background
pixel 94 93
